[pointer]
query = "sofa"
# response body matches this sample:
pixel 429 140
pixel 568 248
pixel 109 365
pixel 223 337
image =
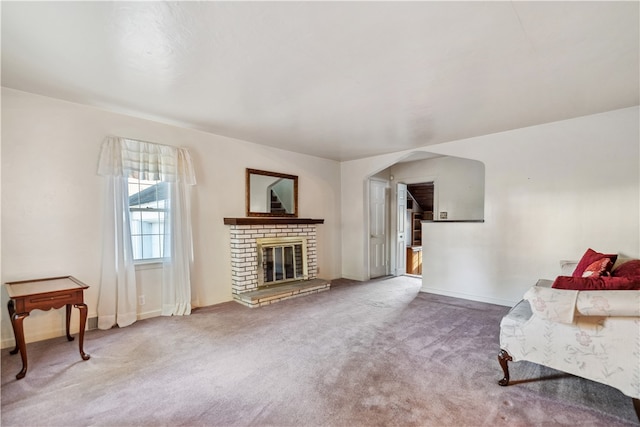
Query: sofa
pixel 583 323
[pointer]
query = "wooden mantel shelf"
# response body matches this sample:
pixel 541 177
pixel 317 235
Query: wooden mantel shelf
pixel 271 221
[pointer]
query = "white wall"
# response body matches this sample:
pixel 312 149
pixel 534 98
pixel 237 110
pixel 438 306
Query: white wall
pixel 52 197
pixel 459 184
pixel 551 191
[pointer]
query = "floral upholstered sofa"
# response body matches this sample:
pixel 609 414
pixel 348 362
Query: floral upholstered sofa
pixel 583 323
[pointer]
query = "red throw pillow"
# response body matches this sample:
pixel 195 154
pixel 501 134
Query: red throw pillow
pixel 589 257
pixel 629 269
pixel 596 283
pixel 598 268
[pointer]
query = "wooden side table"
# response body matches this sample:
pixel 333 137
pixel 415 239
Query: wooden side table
pixel 45 294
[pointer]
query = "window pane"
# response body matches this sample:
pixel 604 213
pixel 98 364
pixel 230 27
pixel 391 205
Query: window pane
pixel 136 243
pixel 136 222
pixel 147 201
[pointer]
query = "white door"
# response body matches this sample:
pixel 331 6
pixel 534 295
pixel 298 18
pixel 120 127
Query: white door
pixel 377 228
pixel 401 230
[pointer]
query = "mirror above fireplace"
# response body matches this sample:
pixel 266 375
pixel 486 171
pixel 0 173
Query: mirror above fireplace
pixel 271 194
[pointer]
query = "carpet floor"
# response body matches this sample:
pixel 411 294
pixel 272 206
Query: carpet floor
pixel 377 353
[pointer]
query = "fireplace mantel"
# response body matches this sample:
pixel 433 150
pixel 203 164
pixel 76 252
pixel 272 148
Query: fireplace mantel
pixel 271 221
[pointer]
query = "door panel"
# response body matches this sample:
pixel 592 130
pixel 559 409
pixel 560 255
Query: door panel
pixel 401 230
pixel 377 228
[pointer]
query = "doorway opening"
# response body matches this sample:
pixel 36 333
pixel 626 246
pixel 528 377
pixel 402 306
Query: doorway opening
pixel 454 190
pixel 419 207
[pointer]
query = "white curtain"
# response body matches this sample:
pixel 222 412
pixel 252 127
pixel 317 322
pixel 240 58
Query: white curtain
pixel 121 159
pixel 176 298
pixel 117 298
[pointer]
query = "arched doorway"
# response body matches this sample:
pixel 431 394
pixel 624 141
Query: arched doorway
pixel 453 190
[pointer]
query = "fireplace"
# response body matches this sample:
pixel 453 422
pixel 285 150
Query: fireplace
pixel 281 260
pixel 273 259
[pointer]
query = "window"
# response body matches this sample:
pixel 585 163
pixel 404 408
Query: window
pixel 152 183
pixel 148 208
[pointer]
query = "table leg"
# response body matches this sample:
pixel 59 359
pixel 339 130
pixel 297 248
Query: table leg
pixel 68 307
pixel 18 330
pixel 83 323
pixel 12 311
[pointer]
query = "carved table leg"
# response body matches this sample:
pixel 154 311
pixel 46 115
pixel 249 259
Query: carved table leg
pixel 12 311
pixel 68 307
pixel 83 323
pixel 18 329
pixel 636 406
pixel 503 358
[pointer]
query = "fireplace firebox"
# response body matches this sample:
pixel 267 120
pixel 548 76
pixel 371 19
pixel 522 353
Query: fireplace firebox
pixel 281 260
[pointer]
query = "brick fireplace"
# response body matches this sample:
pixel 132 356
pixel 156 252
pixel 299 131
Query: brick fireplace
pixel 254 282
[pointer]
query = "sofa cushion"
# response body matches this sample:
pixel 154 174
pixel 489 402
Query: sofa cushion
pixel 598 268
pixel 630 269
pixel 589 257
pixel 619 261
pixel 596 283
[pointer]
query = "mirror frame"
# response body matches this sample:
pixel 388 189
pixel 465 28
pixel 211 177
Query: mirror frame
pixel 250 172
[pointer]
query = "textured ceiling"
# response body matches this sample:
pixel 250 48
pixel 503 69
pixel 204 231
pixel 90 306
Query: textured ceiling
pixel 340 80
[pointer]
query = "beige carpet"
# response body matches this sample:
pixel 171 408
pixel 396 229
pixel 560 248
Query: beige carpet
pixel 378 353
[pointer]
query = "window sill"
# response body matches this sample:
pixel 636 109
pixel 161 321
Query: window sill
pixel 150 264
pixel 429 221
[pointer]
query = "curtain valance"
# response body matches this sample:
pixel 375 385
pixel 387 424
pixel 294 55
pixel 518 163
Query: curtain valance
pixel 131 158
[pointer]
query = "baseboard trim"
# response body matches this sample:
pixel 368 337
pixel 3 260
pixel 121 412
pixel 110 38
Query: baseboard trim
pixel 92 323
pixel 149 314
pixel 472 297
pixel 42 336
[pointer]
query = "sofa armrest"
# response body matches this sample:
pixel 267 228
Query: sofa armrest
pixel 558 305
pixel 608 303
pixel 562 305
pixel 545 283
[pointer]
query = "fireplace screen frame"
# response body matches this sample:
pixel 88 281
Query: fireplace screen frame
pixel 272 258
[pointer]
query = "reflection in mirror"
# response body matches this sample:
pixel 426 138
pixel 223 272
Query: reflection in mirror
pixel 271 194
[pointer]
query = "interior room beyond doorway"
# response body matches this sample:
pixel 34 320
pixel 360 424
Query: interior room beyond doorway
pixel 419 208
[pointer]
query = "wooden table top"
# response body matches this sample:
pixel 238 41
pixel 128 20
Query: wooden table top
pixel 42 286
